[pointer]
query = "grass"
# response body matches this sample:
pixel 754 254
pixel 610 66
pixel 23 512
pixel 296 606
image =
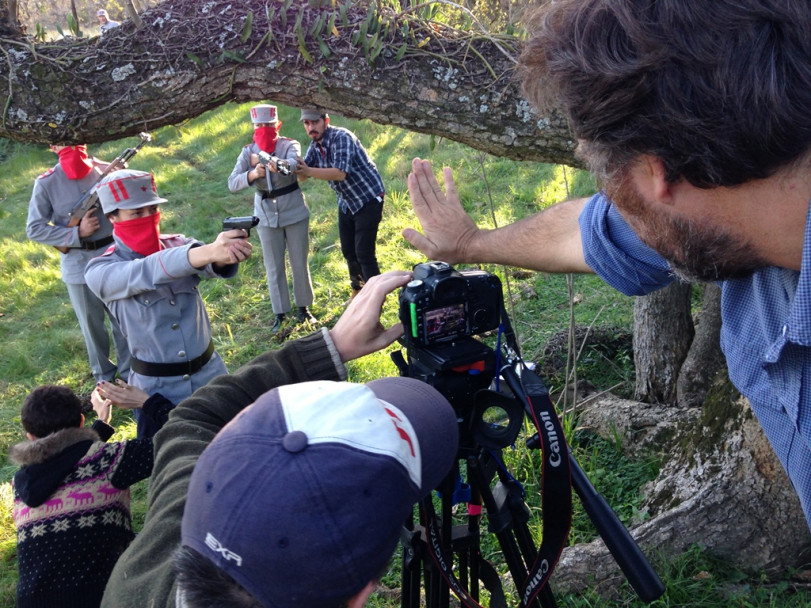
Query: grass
pixel 191 162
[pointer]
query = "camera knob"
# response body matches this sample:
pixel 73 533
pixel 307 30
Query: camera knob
pixel 415 284
pixel 481 316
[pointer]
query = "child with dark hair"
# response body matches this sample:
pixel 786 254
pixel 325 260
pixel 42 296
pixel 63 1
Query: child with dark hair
pixel 71 495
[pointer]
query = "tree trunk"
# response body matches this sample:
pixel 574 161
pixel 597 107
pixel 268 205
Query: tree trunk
pixel 705 359
pixel 663 330
pixel 132 14
pixel 9 20
pixel 349 57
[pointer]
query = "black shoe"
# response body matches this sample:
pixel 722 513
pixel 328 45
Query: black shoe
pixel 304 315
pixel 277 323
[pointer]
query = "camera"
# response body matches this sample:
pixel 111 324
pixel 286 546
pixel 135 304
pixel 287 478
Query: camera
pixel 441 310
pixel 441 304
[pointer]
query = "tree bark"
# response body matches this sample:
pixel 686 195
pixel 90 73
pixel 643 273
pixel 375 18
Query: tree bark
pixel 705 359
pixel 9 20
pixel 132 14
pixel 721 487
pixel 353 60
pixel 663 330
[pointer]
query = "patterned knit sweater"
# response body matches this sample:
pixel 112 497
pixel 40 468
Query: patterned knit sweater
pixel 72 513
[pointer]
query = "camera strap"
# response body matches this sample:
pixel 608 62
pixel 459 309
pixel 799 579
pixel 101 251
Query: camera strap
pixel 556 484
pixel 556 474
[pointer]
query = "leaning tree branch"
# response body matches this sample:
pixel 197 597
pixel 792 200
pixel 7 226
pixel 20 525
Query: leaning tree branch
pixel 352 58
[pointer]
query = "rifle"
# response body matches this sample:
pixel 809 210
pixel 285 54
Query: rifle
pixel 268 160
pixel 90 198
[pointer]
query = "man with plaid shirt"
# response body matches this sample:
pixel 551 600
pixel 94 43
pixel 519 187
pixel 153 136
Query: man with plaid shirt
pixel 336 155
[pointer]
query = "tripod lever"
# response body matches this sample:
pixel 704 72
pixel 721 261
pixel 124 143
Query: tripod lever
pixel 620 543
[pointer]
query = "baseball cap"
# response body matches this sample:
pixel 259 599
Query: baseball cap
pixel 302 496
pixel 311 114
pixel 264 113
pixel 101 12
pixel 127 189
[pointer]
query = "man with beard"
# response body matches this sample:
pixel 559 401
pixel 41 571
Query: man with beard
pixel 336 155
pixel 284 218
pixel 54 195
pixel 149 282
pixel 694 117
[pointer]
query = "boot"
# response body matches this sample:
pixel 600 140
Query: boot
pixel 355 292
pixel 304 315
pixel 277 323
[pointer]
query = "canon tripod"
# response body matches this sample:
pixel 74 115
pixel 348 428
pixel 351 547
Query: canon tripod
pixel 447 557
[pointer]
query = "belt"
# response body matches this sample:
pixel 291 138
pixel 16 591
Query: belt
pixel 172 369
pixel 277 192
pixel 93 245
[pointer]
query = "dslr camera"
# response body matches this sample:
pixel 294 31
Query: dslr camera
pixel 441 304
pixel 441 310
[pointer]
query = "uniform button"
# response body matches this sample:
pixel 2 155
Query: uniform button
pixel 175 326
pixel 181 353
pixel 146 302
pixel 186 376
pixel 172 302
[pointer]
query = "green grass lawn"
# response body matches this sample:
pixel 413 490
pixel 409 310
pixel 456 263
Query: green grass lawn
pixel 191 162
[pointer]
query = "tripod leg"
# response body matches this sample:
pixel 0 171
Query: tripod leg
pixel 411 568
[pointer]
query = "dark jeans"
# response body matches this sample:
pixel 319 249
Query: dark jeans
pixel 358 234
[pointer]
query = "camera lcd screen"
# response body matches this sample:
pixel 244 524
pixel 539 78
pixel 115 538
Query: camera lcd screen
pixel 444 322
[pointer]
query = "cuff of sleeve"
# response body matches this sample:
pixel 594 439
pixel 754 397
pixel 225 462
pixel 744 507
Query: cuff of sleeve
pixel 104 430
pixel 320 365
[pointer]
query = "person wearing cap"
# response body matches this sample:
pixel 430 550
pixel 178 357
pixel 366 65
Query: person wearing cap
pixel 149 281
pixel 71 494
pixel 284 218
pixel 54 195
pixel 336 155
pixel 282 485
pixel 105 23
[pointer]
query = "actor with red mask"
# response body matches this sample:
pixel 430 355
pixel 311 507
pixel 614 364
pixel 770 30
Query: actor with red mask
pixel 284 218
pixel 149 282
pixel 55 193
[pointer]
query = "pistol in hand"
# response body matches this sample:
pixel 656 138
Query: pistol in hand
pixel 243 223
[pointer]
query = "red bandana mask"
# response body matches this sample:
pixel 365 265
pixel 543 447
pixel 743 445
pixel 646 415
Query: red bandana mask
pixel 265 138
pixel 141 233
pixel 74 161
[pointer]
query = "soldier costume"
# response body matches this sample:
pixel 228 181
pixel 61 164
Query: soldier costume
pixel 52 199
pixel 155 298
pixel 284 218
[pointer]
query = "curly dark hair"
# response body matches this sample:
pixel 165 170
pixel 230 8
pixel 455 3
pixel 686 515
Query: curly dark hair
pixel 719 91
pixel 50 408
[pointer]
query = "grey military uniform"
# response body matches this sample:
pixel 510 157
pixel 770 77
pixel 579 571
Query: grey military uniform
pixel 160 310
pixel 52 199
pixel 284 223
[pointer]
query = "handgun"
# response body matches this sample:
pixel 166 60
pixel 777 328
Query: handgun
pixel 243 223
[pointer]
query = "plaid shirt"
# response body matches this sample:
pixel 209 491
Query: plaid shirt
pixel 340 149
pixel 766 331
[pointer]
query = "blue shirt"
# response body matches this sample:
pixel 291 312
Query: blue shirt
pixel 340 149
pixel 765 333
